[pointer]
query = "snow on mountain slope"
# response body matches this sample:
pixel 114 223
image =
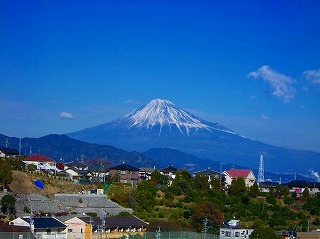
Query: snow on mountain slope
pixel 165 113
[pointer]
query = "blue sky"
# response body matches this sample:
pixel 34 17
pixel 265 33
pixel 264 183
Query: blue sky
pixel 253 66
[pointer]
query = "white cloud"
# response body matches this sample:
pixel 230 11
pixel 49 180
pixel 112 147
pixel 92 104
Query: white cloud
pixel 66 115
pixel 315 174
pixel 313 76
pixel 265 117
pixel 280 84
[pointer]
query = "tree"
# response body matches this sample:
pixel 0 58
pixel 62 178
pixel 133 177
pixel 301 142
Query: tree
pixel 271 191
pixel 5 172
pixel 182 184
pixel 158 178
pixel 263 232
pixel 306 193
pixel 186 175
pixel 285 191
pixel 238 187
pixel 145 195
pixel 8 203
pixel 116 177
pixel 31 167
pixel 278 192
pixel 215 184
pixel 254 190
pixel 201 182
pixel 209 211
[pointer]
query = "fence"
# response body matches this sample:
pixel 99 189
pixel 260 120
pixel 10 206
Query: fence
pixel 172 235
pixel 145 235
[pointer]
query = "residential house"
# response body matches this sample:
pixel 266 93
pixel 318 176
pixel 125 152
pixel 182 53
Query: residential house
pixel 42 163
pixel 77 171
pixel 298 186
pixel 145 173
pixel 170 172
pixel 7 152
pixel 42 227
pixel 210 174
pixel 11 231
pixel 76 164
pixel 246 174
pixel 265 186
pixel 115 227
pixel 127 173
pixel 232 229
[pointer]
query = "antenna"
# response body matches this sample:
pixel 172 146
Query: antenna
pixel 261 170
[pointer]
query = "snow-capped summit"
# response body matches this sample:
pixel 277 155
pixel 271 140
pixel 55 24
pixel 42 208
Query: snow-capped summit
pixel 164 112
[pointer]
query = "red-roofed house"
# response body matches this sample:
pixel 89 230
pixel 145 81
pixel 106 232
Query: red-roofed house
pixel 246 174
pixel 42 162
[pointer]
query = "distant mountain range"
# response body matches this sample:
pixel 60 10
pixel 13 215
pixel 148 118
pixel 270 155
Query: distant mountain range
pixel 160 124
pixel 61 147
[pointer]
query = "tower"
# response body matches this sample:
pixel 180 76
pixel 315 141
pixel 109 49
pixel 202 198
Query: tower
pixel 6 143
pixel 261 170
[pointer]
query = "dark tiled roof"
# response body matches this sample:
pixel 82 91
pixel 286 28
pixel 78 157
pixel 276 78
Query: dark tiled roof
pixel 39 158
pixel 114 222
pixel 12 228
pixel 79 171
pixel 45 222
pixel 124 167
pixel 299 183
pixel 76 164
pixel 8 151
pixel 169 169
pixel 209 172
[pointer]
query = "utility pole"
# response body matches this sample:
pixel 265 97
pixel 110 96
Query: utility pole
pixel 205 225
pixel 158 233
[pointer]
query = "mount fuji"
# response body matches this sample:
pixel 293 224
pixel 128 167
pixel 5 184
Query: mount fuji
pixel 160 124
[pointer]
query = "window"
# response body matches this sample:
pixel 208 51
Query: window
pixel 237 234
pixel 122 172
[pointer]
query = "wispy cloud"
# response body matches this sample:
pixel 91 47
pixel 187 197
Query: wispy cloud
pixel 315 174
pixel 265 117
pixel 313 76
pixel 280 84
pixel 66 115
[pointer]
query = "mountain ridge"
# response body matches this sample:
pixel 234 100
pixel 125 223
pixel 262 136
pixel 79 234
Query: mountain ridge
pixel 54 145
